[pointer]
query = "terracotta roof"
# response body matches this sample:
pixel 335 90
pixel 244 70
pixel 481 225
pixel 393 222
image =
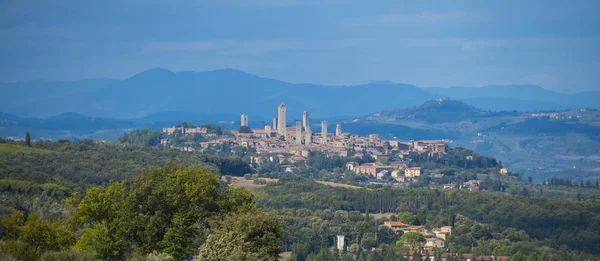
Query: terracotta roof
pixel 395 224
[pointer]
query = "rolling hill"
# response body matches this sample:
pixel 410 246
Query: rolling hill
pixel 222 91
pixel 233 92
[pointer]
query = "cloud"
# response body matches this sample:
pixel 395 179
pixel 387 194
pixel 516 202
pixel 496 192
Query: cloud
pixel 423 17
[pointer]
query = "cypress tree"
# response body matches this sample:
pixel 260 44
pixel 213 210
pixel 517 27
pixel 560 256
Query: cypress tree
pixel 28 139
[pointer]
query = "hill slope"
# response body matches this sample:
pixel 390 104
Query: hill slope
pixel 224 91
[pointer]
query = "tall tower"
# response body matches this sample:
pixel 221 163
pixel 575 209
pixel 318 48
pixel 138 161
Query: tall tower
pixel 306 121
pixel 275 123
pixel 323 132
pixel 281 118
pixel 338 129
pixel 298 132
pixel 244 120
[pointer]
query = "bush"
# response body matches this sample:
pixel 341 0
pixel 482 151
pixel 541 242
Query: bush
pixel 260 181
pixel 67 255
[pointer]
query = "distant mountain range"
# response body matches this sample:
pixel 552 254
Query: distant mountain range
pixel 232 92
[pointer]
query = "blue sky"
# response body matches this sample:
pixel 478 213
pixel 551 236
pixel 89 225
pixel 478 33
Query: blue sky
pixel 554 44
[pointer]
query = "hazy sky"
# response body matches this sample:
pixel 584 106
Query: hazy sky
pixel 555 44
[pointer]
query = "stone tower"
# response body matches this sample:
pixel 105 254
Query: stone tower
pixel 323 132
pixel 244 120
pixel 338 129
pixel 298 132
pixel 340 243
pixel 306 121
pixel 281 120
pixel 275 123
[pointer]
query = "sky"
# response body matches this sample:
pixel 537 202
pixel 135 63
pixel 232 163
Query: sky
pixel 554 44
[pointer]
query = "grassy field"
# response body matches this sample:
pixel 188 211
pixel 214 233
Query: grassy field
pixel 248 184
pixel 337 184
pixel 12 148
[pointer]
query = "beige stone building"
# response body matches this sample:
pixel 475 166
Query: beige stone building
pixel 412 172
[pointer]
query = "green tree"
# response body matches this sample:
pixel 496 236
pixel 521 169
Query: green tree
pixel 251 235
pixel 245 129
pixel 407 218
pixel 28 139
pixel 412 239
pixel 162 210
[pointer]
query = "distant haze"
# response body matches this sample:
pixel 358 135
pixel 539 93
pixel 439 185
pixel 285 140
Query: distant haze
pixel 233 92
pixel 553 44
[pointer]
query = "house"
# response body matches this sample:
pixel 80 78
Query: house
pixel 447 229
pixel 504 171
pixel 371 169
pixel 382 174
pixel 350 166
pixel 434 243
pixel 449 186
pixel 442 232
pixel 395 225
pixel 412 172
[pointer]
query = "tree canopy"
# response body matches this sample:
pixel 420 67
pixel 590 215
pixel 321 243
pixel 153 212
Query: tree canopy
pixel 165 209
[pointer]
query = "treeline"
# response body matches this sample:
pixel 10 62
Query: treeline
pixel 85 162
pixel 572 223
pixel 571 183
pixel 29 188
pixel 456 157
pixel 174 212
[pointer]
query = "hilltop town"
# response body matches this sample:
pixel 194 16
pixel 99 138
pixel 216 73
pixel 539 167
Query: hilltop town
pixel 289 146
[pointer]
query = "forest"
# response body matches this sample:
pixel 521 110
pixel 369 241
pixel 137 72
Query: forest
pixel 124 201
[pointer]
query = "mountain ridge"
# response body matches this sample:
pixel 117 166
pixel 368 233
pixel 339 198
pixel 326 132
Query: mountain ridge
pixel 233 91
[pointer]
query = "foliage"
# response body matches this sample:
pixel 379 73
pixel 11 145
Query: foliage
pixel 13 148
pixel 144 137
pixel 67 255
pixel 27 139
pixel 411 239
pixel 164 209
pixel 245 129
pixel 572 223
pixel 30 237
pixel 85 162
pixel 250 235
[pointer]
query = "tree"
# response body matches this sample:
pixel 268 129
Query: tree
pixel 162 210
pixel 412 239
pixel 251 235
pixel 34 235
pixel 245 129
pixel 406 218
pixel 28 139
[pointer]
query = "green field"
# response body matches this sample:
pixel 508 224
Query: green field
pixel 12 148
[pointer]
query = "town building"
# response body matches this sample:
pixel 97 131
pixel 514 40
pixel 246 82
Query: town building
pixel 371 169
pixel 338 129
pixel 434 243
pixel 412 172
